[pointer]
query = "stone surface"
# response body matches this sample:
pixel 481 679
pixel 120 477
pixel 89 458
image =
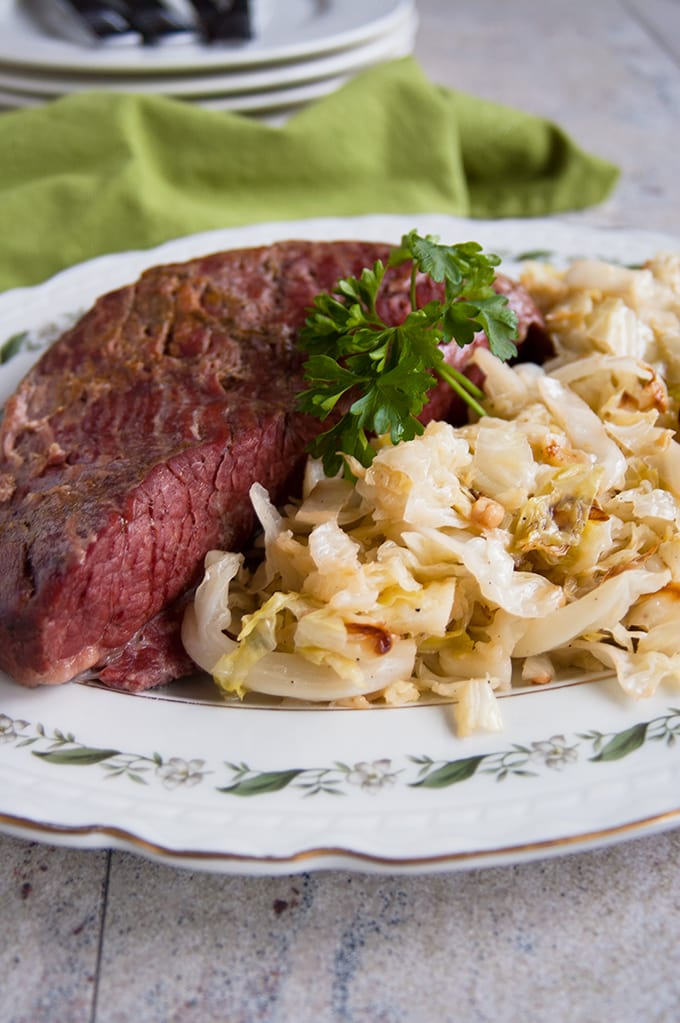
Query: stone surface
pixel 51 902
pixel 582 937
pixel 603 71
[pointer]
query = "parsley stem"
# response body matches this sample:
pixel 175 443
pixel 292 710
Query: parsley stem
pixel 413 296
pixel 463 387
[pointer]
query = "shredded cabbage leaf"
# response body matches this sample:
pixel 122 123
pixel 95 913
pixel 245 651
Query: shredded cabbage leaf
pixel 469 559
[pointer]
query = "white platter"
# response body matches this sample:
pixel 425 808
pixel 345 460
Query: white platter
pixel 286 31
pixel 179 777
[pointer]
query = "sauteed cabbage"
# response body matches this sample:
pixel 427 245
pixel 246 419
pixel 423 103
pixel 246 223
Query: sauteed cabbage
pixel 543 536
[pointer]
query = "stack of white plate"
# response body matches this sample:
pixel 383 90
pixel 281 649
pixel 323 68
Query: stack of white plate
pixel 300 50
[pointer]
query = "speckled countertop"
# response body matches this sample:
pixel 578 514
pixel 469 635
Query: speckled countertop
pixel 99 937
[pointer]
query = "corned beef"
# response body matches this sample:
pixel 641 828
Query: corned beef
pixel 129 449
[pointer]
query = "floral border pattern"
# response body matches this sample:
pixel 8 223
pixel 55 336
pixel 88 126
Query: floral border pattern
pixel 556 753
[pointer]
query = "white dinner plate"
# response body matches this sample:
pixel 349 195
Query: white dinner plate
pixel 286 100
pixel 256 90
pixel 181 777
pixel 277 102
pixel 218 82
pixel 286 31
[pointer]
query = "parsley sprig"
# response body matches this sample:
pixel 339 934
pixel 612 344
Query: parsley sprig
pixel 388 370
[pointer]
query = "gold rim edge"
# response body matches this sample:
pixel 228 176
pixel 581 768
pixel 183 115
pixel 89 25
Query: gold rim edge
pixel 508 854
pixel 592 678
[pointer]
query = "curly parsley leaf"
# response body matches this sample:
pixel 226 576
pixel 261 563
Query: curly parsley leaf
pixel 385 372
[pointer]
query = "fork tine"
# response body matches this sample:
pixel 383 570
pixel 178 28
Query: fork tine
pixel 81 21
pixel 222 20
pixel 154 20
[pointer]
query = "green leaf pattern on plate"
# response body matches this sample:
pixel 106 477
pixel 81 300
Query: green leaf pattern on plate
pixel 35 339
pixel 13 345
pixel 556 753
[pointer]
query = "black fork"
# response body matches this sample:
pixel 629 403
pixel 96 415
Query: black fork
pixel 149 20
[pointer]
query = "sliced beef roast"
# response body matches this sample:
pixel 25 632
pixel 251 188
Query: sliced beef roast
pixel 129 449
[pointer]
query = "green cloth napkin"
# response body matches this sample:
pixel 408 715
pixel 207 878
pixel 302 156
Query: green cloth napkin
pixel 102 171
